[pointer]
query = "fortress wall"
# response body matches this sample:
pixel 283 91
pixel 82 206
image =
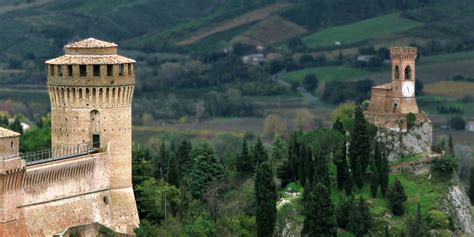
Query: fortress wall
pixel 65 178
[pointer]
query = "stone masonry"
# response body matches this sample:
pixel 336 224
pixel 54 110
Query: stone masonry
pixel 85 179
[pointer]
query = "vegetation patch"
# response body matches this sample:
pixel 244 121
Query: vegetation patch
pixel 359 31
pixel 324 74
pixel 456 89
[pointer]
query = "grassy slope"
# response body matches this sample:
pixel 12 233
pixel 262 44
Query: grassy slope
pixel 327 73
pixel 359 31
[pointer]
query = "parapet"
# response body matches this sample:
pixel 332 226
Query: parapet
pixel 404 53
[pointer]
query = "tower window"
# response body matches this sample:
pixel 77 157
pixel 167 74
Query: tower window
pixel 51 70
pixel 408 73
pixel 395 108
pixel 110 68
pixel 82 70
pixel 96 70
pixel 69 70
pixel 129 69
pixel 396 73
pixel 121 69
pixel 60 70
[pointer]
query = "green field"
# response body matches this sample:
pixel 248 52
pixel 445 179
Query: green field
pixel 330 73
pixel 452 57
pixel 359 31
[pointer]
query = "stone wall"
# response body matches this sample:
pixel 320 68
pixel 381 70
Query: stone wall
pixel 415 140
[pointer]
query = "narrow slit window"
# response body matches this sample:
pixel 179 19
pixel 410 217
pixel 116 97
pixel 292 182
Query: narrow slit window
pixel 51 70
pixel 121 69
pixel 82 70
pixel 60 70
pixel 96 70
pixel 110 68
pixel 129 69
pixel 69 70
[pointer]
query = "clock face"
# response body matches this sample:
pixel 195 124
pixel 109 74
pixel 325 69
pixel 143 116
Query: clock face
pixel 408 89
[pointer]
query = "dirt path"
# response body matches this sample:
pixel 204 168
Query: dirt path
pixel 252 16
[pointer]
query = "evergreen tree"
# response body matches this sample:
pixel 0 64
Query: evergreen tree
pixel 4 122
pixel 386 231
pixel 374 179
pixel 342 169
pixel 359 147
pixel 278 150
pixel 309 165
pixel 183 156
pixel 338 126
pixel 384 174
pixel 321 172
pixel 293 154
pixel 348 182
pixel 159 162
pixel 259 153
pixel 319 214
pixel 396 197
pixel 266 198
pixel 342 211
pixel 16 125
pixel 358 175
pixel 173 175
pixel 206 170
pixel 245 164
pixel 450 145
pixel 301 163
pixel 284 173
pixel 417 226
pixel 360 219
pixel 378 157
pixel 471 185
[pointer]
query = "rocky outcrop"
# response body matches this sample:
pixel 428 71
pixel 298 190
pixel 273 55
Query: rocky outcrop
pixel 401 143
pixel 458 206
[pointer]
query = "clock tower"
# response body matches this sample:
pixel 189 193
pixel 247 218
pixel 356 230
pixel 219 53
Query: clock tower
pixel 391 103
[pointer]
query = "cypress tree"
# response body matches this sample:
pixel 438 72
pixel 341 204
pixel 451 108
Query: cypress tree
pixel 342 211
pixel 374 179
pixel 342 169
pixel 301 163
pixel 259 153
pixel 245 164
pixel 319 213
pixel 384 174
pixel 338 126
pixel 293 154
pixel 284 173
pixel 159 162
pixel 359 147
pixel 358 175
pixel 278 150
pixel 396 197
pixel 450 145
pixel 309 165
pixel 348 183
pixel 266 197
pixel 206 170
pixel 360 219
pixel 173 175
pixel 417 226
pixel 321 172
pixel 471 184
pixel 378 157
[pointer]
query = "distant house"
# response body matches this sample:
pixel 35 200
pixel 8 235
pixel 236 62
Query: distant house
pixel 254 59
pixel 470 125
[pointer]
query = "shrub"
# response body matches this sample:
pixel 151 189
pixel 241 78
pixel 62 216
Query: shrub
pixel 411 119
pixel 396 197
pixel 438 220
pixel 457 123
pixel 446 165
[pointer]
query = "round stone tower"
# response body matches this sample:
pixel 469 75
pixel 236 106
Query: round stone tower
pixel 91 90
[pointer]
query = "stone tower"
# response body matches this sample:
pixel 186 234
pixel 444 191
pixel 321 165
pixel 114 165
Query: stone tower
pixel 91 91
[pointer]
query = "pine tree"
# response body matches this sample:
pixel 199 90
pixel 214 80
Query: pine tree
pixel 183 156
pixel 359 147
pixel 471 185
pixel 396 197
pixel 319 214
pixel 173 175
pixel 450 145
pixel 374 179
pixel 384 174
pixel 245 164
pixel 266 198
pixel 417 226
pixel 259 153
pixel 206 170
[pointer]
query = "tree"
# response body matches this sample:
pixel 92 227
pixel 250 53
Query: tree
pixel 16 125
pixel 206 170
pixel 319 213
pixel 173 176
pixel 266 198
pixel 417 226
pixel 450 145
pixel 159 163
pixel 342 211
pixel 259 153
pixel 359 148
pixel 384 174
pixel 274 125
pixel 245 164
pixel 360 219
pixel 183 156
pixel 374 179
pixel 471 185
pixel 339 126
pixel 396 198
pixel 321 172
pixel 457 123
pixel 310 82
pixel 158 199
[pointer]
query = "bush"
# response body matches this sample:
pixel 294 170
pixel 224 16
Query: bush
pixel 411 119
pixel 438 220
pixel 311 82
pixel 446 165
pixel 457 123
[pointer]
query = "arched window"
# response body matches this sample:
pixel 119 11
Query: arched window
pixel 395 108
pixel 396 73
pixel 95 128
pixel 408 73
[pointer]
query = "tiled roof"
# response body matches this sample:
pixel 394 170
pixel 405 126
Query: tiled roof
pixel 387 86
pixel 90 43
pixel 90 59
pixel 8 133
